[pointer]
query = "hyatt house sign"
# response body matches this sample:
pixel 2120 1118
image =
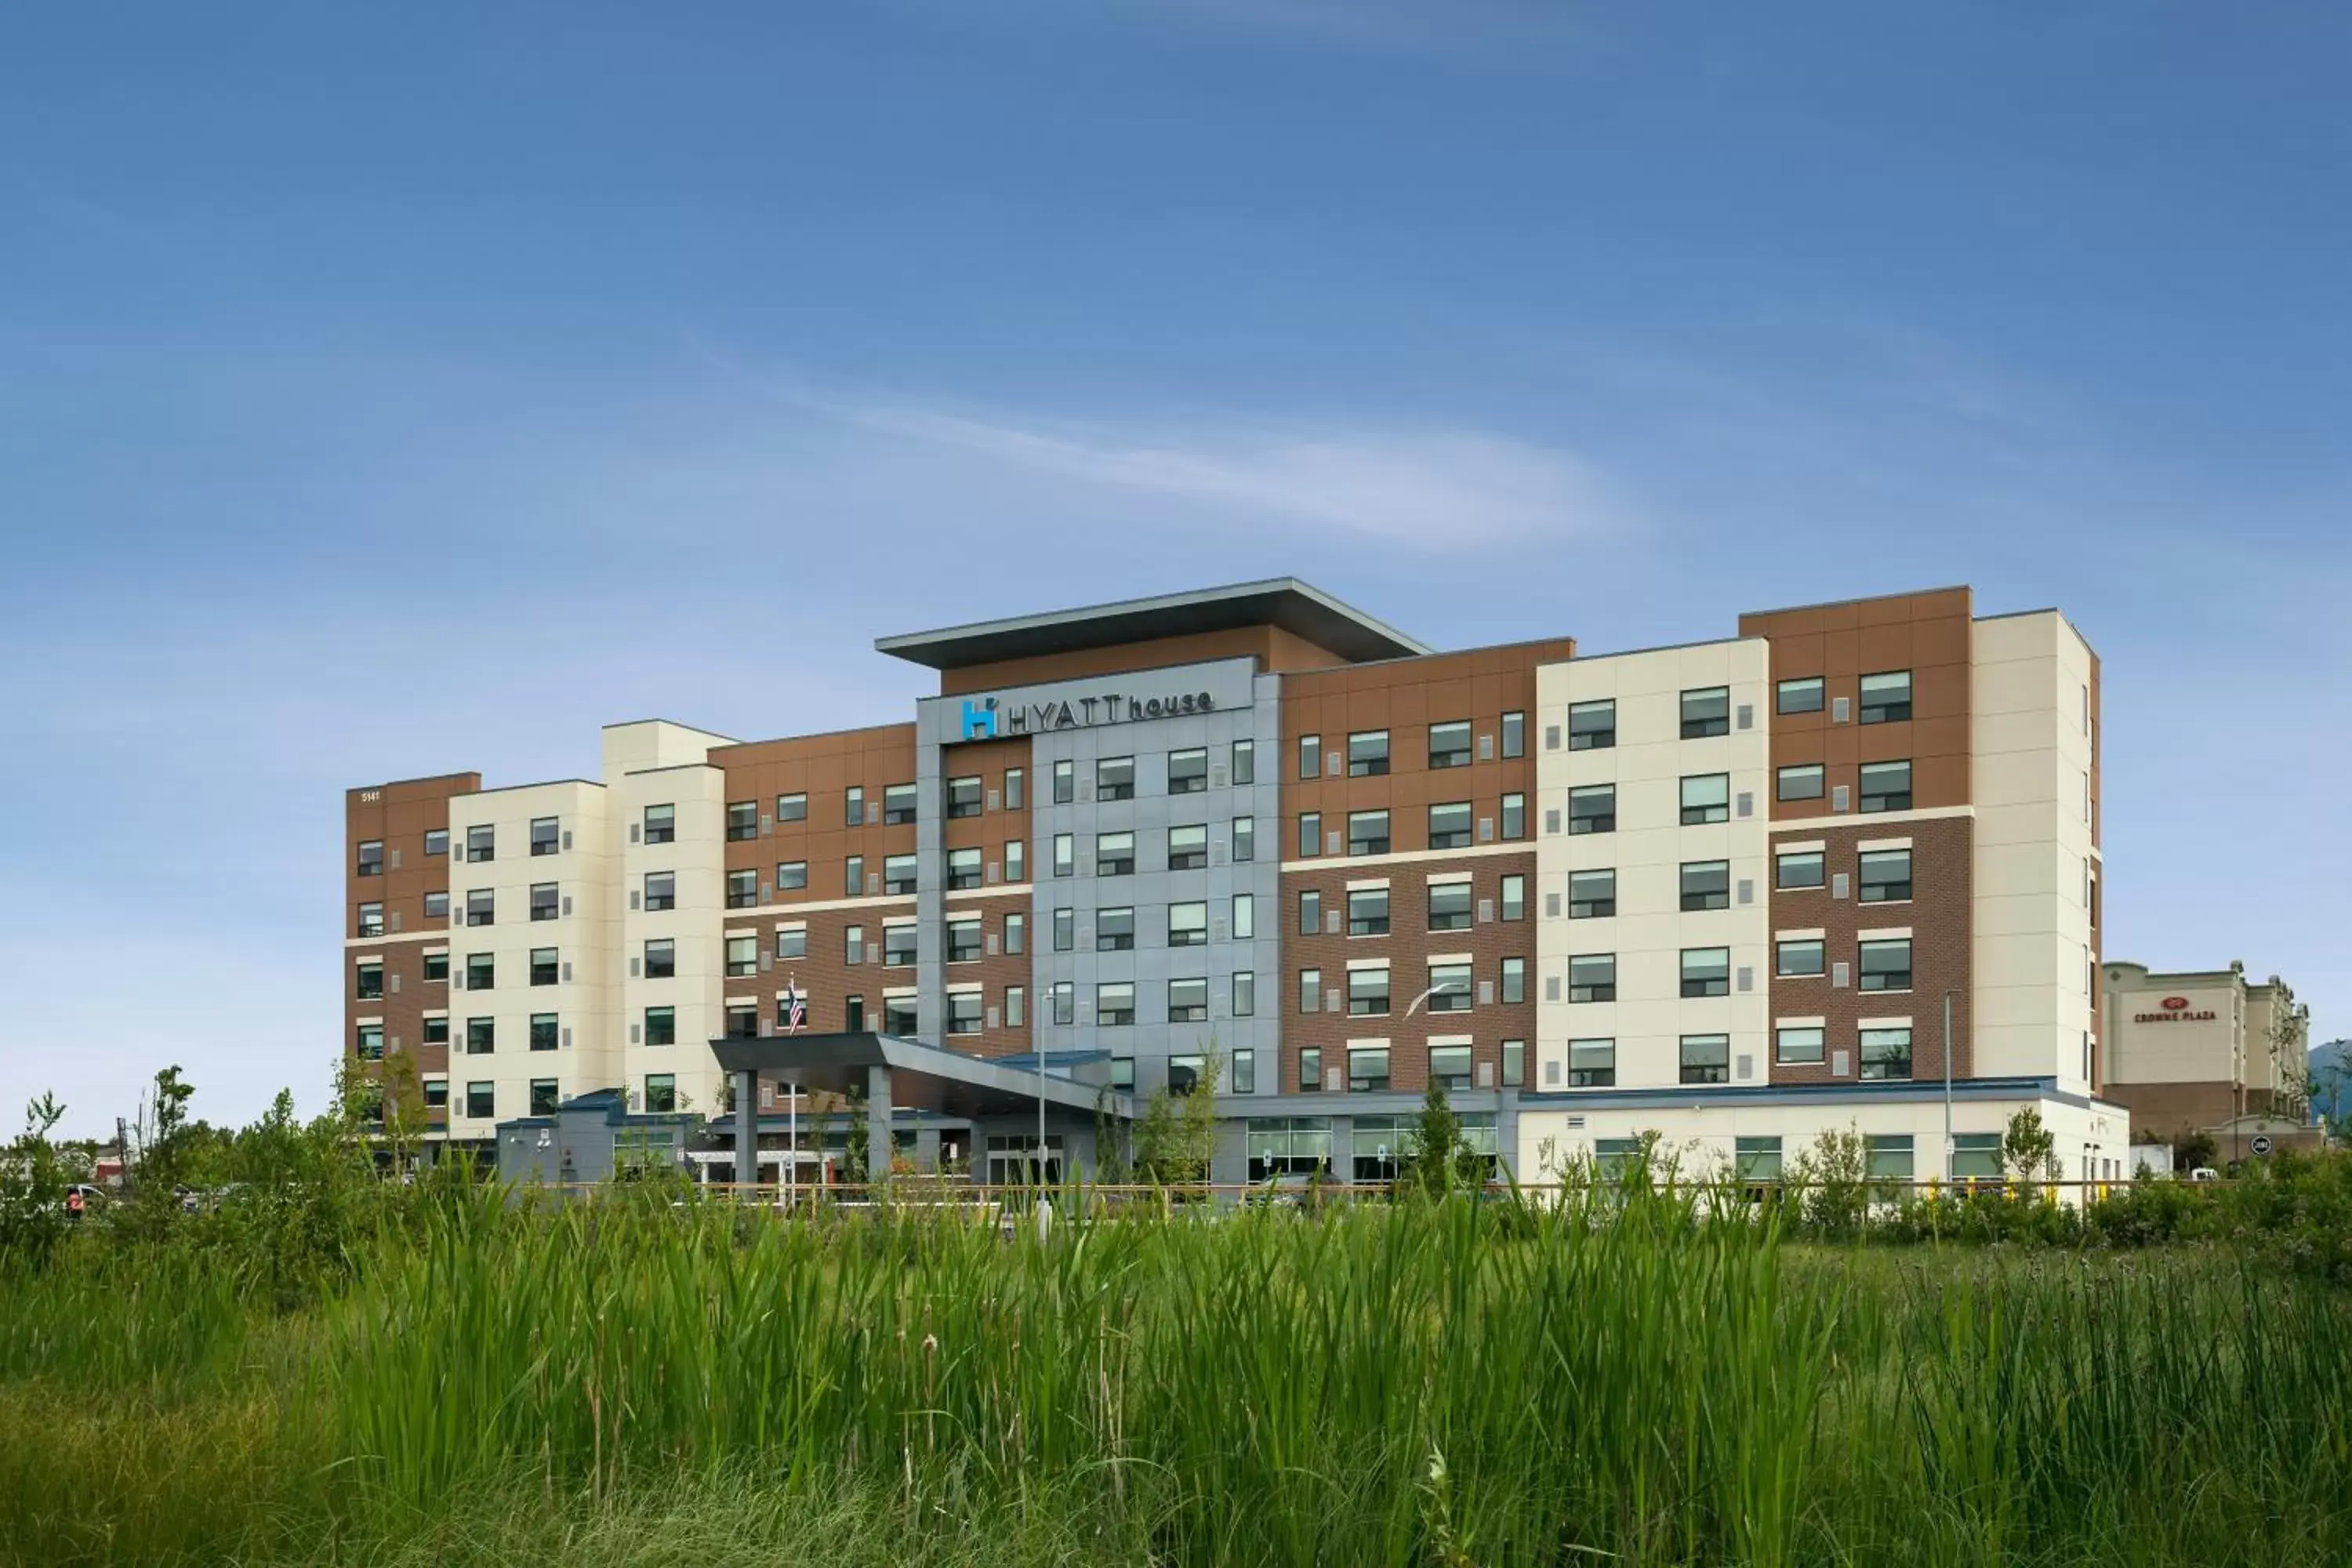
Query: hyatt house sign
pixel 985 718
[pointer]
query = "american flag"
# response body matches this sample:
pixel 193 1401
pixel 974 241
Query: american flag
pixel 795 1006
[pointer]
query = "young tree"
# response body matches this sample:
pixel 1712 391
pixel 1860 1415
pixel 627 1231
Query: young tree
pixel 1177 1137
pixel 33 1181
pixel 1438 1158
pixel 2028 1148
pixel 852 1159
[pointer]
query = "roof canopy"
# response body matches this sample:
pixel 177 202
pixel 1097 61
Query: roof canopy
pixel 922 1076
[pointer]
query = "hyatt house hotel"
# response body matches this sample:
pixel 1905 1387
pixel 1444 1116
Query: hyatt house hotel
pixel 1721 890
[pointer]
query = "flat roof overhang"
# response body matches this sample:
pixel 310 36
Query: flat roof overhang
pixel 922 1076
pixel 1297 607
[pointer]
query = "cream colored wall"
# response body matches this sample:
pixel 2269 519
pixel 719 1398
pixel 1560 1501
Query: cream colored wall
pixel 651 744
pixel 1648 848
pixel 698 859
pixel 2184 1052
pixel 2031 928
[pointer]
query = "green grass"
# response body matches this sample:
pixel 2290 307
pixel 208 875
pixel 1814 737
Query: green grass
pixel 1405 1384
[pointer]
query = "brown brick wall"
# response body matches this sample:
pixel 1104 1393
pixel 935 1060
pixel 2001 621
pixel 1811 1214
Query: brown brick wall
pixel 2163 1110
pixel 399 815
pixel 823 768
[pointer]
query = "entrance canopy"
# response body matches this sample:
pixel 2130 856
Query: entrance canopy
pixel 924 1077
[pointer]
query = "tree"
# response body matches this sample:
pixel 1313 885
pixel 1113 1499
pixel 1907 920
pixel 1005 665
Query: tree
pixel 2194 1151
pixel 853 1159
pixel 33 1180
pixel 2028 1148
pixel 1177 1137
pixel 161 1130
pixel 1438 1158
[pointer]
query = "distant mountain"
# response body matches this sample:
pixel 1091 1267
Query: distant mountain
pixel 2331 1072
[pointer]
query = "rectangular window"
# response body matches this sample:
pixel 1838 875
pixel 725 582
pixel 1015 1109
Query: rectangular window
pixel 1310 1069
pixel 1592 809
pixel 1515 817
pixel 1188 770
pixel 1449 826
pixel 965 796
pixel 1184 1069
pixel 853 944
pixel 1310 756
pixel 1122 1074
pixel 1310 991
pixel 1065 854
pixel 1592 895
pixel 793 943
pixel 370 1042
pixel 1706 712
pixel 436 906
pixel 1016 1008
pixel 436 841
pixel 899 807
pixel 481 972
pixel 1592 726
pixel 1887 697
pixel 481 1036
pixel 1706 1058
pixel 1450 988
pixel 899 939
pixel 661 823
pixel 900 873
pixel 370 983
pixel 1592 977
pixel 546 834
pixel 1797 868
pixel 742 819
pixel 545 966
pixel 964 944
pixel 1016 790
pixel 661 1093
pixel 964 869
pixel 1114 853
pixel 1244 762
pixel 1449 744
pixel 1707 971
pixel 372 858
pixel 1368 1069
pixel 1114 929
pixel 1244 1066
pixel 1017 934
pixel 1885 877
pixel 1310 912
pixel 1016 860
pixel 853 805
pixel 1449 906
pixel 1514 734
pixel 543 1031
pixel 853 1014
pixel 1592 1063
pixel 1188 847
pixel 661 890
pixel 1707 797
pixel 435 1031
pixel 1515 896
pixel 1188 1001
pixel 1188 925
pixel 1800 696
pixel 743 956
pixel 481 843
pixel 1115 1003
pixel 1514 1064
pixel 791 808
pixel 1115 778
pixel 853 877
pixel 1798 1047
pixel 436 967
pixel 1245 839
pixel 1706 885
pixel 1244 1006
pixel 1310 834
pixel 743 890
pixel 1066 1007
pixel 1367 991
pixel 792 875
pixel 543 1097
pixel 1368 754
pixel 1976 1156
pixel 899 1016
pixel 1368 832
pixel 1065 928
pixel 1802 782
pixel 1886 786
pixel 1245 917
pixel 1887 1156
pixel 481 1101
pixel 1797 959
pixel 1887 965
pixel 1065 779
pixel 966 1013
pixel 481 907
pixel 543 902
pixel 436 1094
pixel 1757 1159
pixel 1514 981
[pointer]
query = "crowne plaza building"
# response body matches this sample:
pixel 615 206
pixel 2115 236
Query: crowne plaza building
pixel 1724 892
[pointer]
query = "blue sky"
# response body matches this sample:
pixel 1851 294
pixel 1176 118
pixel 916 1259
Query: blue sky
pixel 384 392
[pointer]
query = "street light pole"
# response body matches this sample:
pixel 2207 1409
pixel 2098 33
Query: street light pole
pixel 1951 1149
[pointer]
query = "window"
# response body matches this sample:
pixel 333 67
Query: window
pixel 1245 1067
pixel 1016 860
pixel 1188 925
pixel 1368 832
pixel 1449 906
pixel 481 972
pixel 543 902
pixel 436 906
pixel 1514 1064
pixel 1707 971
pixel 742 819
pixel 1065 928
pixel 1592 726
pixel 853 944
pixel 1887 697
pixel 661 890
pixel 1064 782
pixel 1798 1046
pixel 1449 744
pixel 791 808
pixel 900 873
pixel 1122 1074
pixel 1368 911
pixel 1245 920
pixel 1449 826
pixel 898 943
pixel 481 1036
pixel 853 876
pixel 436 1094
pixel 1245 839
pixel 436 841
pixel 370 983
pixel 1188 770
pixel 481 843
pixel 1188 847
pixel 1188 1003
pixel 1244 1006
pixel 481 1101
pixel 1802 696
pixel 1310 990
pixel 1368 991
pixel 1706 885
pixel 1065 854
pixel 1244 762
pixel 1310 1069
pixel 1183 1071
pixel 1592 895
pixel 372 858
pixel 1976 1156
pixel 792 875
pixel 743 956
pixel 1310 913
pixel 1592 1063
pixel 545 966
pixel 1017 934
pixel 898 1015
pixel 543 1031
pixel 1515 817
pixel 546 834
pixel 1887 965
pixel 1450 988
pixel 661 823
pixel 436 966
pixel 1707 797
pixel 899 807
pixel 370 1042
pixel 543 1097
pixel 1310 756
pixel 1885 877
pixel 1797 868
pixel 1706 1058
pixel 743 890
pixel 1706 712
pixel 1592 977
pixel 1889 1156
pixel 1114 853
pixel 965 1014
pixel 1114 929
pixel 1592 809
pixel 1016 1008
pixel 1115 1002
pixel 1115 778
pixel 792 943
pixel 1065 1010
pixel 1016 790
pixel 853 1014
pixel 1799 958
pixel 1368 1069
pixel 1514 734
pixel 853 805
pixel 661 1093
pixel 1368 754
pixel 661 959
pixel 1802 782
pixel 963 868
pixel 1515 981
pixel 1886 786
pixel 1757 1159
pixel 1310 834
pixel 481 907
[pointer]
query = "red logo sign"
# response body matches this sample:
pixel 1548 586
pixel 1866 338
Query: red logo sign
pixel 2175 1003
